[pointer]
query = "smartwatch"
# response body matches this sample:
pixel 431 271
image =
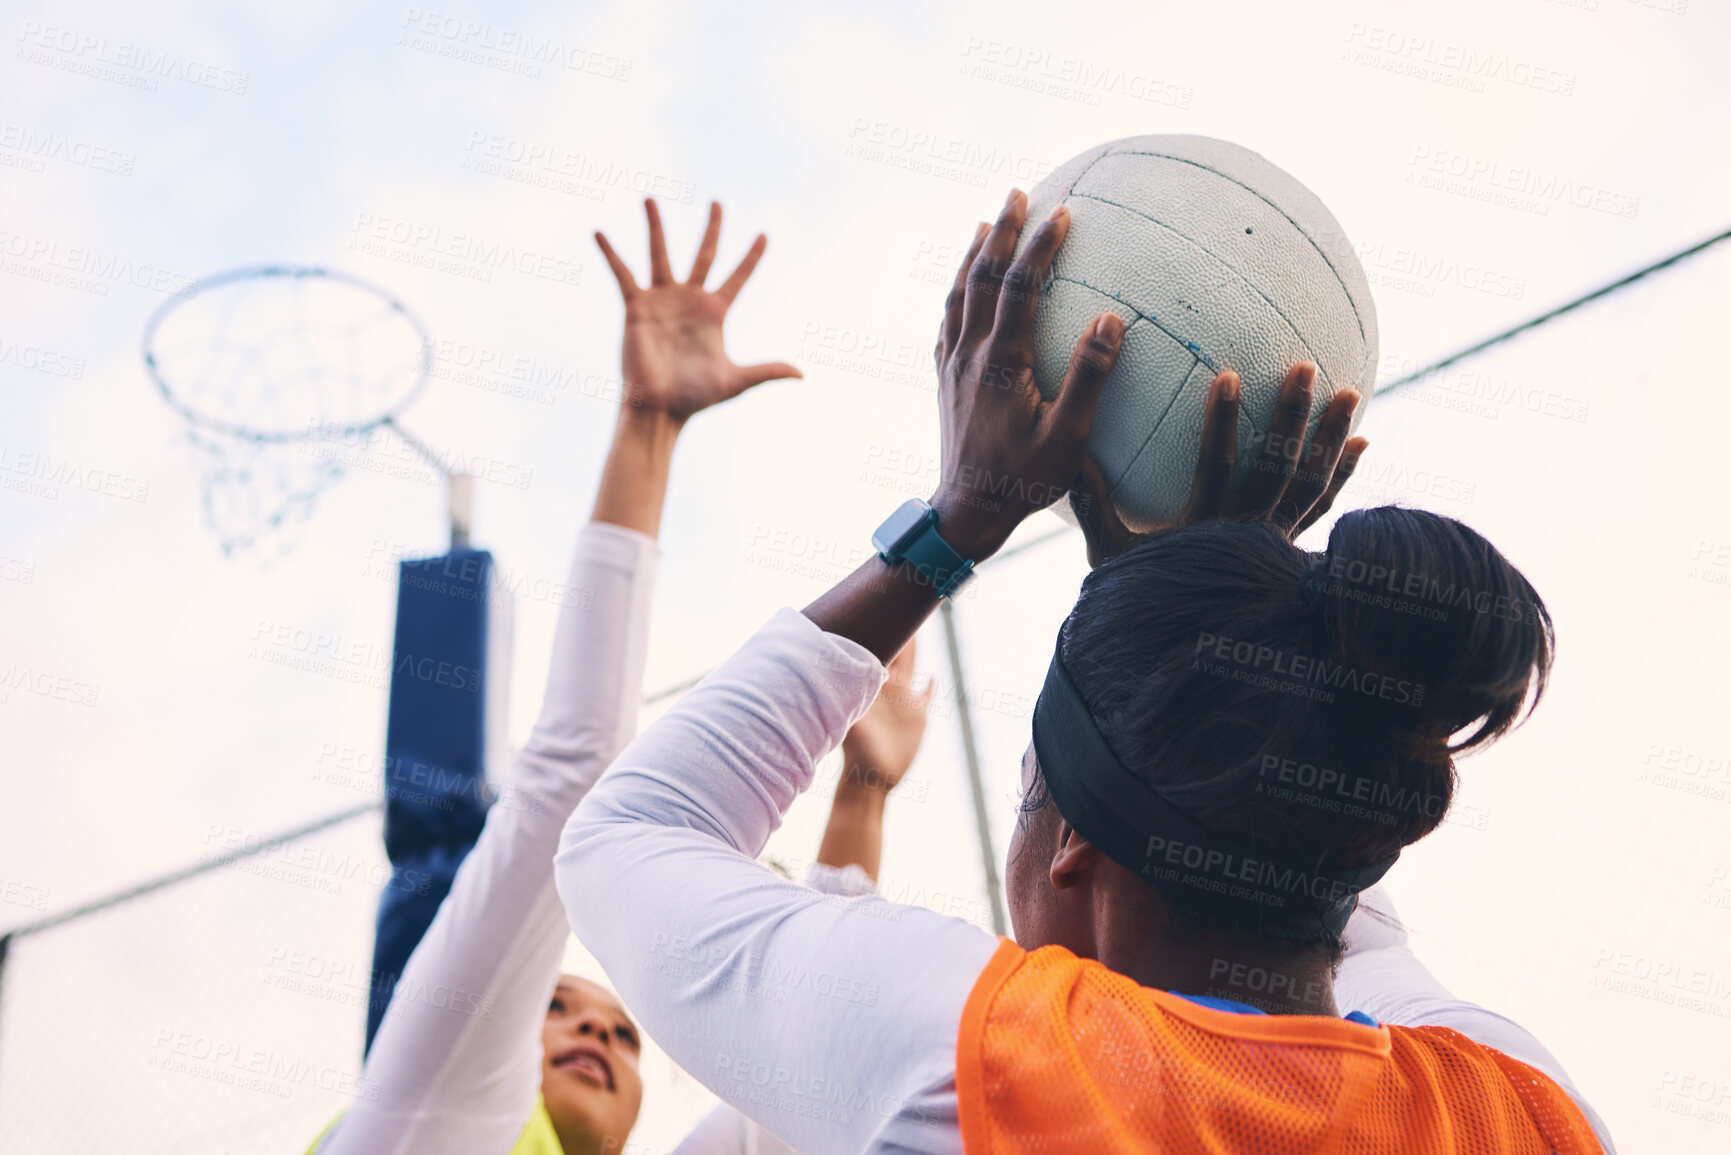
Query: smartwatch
pixel 910 534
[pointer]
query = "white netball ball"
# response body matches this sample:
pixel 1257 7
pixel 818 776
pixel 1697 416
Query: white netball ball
pixel 1215 259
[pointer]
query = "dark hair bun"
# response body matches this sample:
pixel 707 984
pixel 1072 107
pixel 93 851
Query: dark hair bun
pixel 1410 595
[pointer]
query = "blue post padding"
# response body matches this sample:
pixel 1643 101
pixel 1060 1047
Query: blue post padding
pixel 435 742
pixel 435 736
pixel 406 910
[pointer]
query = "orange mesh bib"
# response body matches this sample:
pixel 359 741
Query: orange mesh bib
pixel 1058 1054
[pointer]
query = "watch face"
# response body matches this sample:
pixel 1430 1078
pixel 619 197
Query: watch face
pixel 892 536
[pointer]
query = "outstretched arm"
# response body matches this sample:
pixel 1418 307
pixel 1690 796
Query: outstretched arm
pixel 456 1064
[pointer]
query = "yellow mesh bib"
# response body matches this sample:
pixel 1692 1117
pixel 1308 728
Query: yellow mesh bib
pixel 538 1137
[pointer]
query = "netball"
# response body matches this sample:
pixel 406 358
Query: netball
pixel 1215 259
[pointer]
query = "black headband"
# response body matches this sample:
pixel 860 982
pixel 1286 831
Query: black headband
pixel 1134 826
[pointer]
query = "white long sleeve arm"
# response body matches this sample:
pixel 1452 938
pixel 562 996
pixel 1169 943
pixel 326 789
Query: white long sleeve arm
pixel 832 1023
pixel 457 1059
pixel 724 1131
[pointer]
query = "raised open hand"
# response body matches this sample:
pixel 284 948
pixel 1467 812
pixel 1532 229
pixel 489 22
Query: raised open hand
pixel 1293 484
pixel 1007 451
pixel 673 359
pixel 881 746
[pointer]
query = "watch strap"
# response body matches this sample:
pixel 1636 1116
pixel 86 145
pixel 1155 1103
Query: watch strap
pixel 933 558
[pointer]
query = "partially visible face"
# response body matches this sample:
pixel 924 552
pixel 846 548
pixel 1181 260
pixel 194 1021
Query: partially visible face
pixel 590 1050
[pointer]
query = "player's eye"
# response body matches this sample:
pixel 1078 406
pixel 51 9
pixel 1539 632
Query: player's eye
pixel 626 1035
pixel 556 1005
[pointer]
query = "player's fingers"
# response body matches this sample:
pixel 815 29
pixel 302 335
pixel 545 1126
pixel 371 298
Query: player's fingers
pixel 1278 459
pixel 986 274
pixel 1349 458
pixel 621 271
pixel 736 280
pixel 660 272
pixel 1316 467
pixel 1020 298
pixel 1212 484
pixel 749 375
pixel 1091 501
pixel 706 251
pixel 951 330
pixel 1071 412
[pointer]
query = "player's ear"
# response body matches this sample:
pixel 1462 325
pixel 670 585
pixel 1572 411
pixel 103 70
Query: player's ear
pixel 1074 858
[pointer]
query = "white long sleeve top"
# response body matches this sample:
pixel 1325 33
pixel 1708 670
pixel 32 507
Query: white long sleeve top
pixel 457 1059
pixel 831 1023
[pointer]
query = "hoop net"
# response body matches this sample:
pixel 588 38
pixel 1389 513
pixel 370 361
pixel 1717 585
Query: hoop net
pixel 273 369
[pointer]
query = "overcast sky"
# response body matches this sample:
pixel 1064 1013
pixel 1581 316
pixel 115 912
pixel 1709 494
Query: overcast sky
pixel 1489 159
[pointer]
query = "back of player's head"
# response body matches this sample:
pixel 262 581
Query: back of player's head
pixel 1306 706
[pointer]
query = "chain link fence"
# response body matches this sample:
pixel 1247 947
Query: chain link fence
pixel 218 1010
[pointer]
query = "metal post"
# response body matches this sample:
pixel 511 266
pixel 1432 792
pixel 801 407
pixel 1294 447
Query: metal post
pixel 460 504
pixel 988 857
pixel 5 949
pixel 459 486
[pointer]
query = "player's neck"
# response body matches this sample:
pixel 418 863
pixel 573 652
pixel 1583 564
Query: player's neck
pixel 1167 953
pixel 576 1137
pixel 1276 982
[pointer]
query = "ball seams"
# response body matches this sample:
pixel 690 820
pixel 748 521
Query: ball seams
pixel 1105 151
pixel 1189 346
pixel 1357 315
pixel 1321 370
pixel 1151 322
pixel 1247 423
